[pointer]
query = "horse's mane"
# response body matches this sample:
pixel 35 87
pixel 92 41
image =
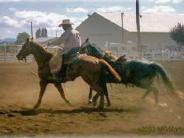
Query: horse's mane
pixel 41 48
pixel 95 50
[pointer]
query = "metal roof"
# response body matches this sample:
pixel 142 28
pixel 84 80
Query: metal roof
pixel 149 22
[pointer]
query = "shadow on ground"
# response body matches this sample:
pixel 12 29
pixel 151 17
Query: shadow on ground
pixel 31 112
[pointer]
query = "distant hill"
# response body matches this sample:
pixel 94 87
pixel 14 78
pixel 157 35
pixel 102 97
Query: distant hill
pixel 8 41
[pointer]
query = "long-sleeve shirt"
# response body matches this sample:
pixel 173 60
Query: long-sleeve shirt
pixel 70 39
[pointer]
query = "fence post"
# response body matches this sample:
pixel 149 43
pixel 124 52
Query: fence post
pixel 4 52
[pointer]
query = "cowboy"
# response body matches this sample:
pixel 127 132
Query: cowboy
pixel 70 40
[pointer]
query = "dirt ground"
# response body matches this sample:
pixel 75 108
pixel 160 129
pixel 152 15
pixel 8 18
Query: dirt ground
pixel 19 89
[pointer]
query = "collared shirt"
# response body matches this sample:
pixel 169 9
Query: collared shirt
pixel 70 39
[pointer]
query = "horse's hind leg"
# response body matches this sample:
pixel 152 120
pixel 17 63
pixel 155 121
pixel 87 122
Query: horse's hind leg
pixel 61 92
pixel 155 92
pixel 145 94
pixel 90 95
pixel 43 86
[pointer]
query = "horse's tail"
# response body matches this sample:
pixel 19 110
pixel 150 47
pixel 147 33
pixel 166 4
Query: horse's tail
pixel 113 72
pixel 162 72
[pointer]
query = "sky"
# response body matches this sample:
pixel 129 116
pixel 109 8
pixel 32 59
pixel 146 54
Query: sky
pixel 16 15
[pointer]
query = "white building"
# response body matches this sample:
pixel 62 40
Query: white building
pixel 103 28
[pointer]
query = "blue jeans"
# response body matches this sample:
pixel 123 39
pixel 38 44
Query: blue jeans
pixel 71 53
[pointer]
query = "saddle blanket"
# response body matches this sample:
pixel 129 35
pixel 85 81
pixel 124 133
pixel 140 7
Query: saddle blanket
pixel 62 57
pixel 56 62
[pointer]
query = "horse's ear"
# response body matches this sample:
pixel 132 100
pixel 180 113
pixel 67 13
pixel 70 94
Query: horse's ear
pixel 87 40
pixel 27 39
pixel 124 56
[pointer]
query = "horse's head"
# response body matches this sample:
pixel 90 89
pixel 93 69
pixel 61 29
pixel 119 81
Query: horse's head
pixel 87 47
pixel 25 50
pixel 91 49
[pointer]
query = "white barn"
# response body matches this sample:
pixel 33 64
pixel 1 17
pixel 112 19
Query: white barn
pixel 107 27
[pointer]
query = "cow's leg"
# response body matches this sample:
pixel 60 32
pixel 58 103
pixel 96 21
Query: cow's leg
pixel 43 86
pixel 61 92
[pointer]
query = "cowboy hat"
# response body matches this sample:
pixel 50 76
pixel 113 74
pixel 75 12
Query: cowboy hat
pixel 64 22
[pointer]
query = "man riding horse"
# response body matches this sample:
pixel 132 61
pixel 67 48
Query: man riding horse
pixel 69 41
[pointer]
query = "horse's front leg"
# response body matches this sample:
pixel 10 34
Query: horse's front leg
pixel 145 94
pixel 95 98
pixel 106 95
pixel 43 86
pixel 155 92
pixel 99 88
pixel 101 106
pixel 103 89
pixel 61 91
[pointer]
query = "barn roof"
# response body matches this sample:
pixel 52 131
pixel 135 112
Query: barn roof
pixel 149 22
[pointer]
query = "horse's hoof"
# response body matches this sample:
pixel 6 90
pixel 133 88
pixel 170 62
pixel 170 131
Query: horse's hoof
pixel 35 107
pixel 108 105
pixel 94 103
pixel 90 101
pixel 100 107
pixel 68 102
pixel 156 104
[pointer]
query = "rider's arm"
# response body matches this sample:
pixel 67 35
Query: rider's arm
pixel 61 39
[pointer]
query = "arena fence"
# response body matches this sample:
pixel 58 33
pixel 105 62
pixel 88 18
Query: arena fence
pixel 8 52
pixel 171 53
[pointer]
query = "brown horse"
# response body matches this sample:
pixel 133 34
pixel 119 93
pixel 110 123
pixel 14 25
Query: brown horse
pixel 91 50
pixel 42 58
pixel 96 72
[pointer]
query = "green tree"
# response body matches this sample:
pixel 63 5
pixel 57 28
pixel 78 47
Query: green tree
pixel 43 33
pixel 38 33
pixel 46 33
pixel 22 37
pixel 177 34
